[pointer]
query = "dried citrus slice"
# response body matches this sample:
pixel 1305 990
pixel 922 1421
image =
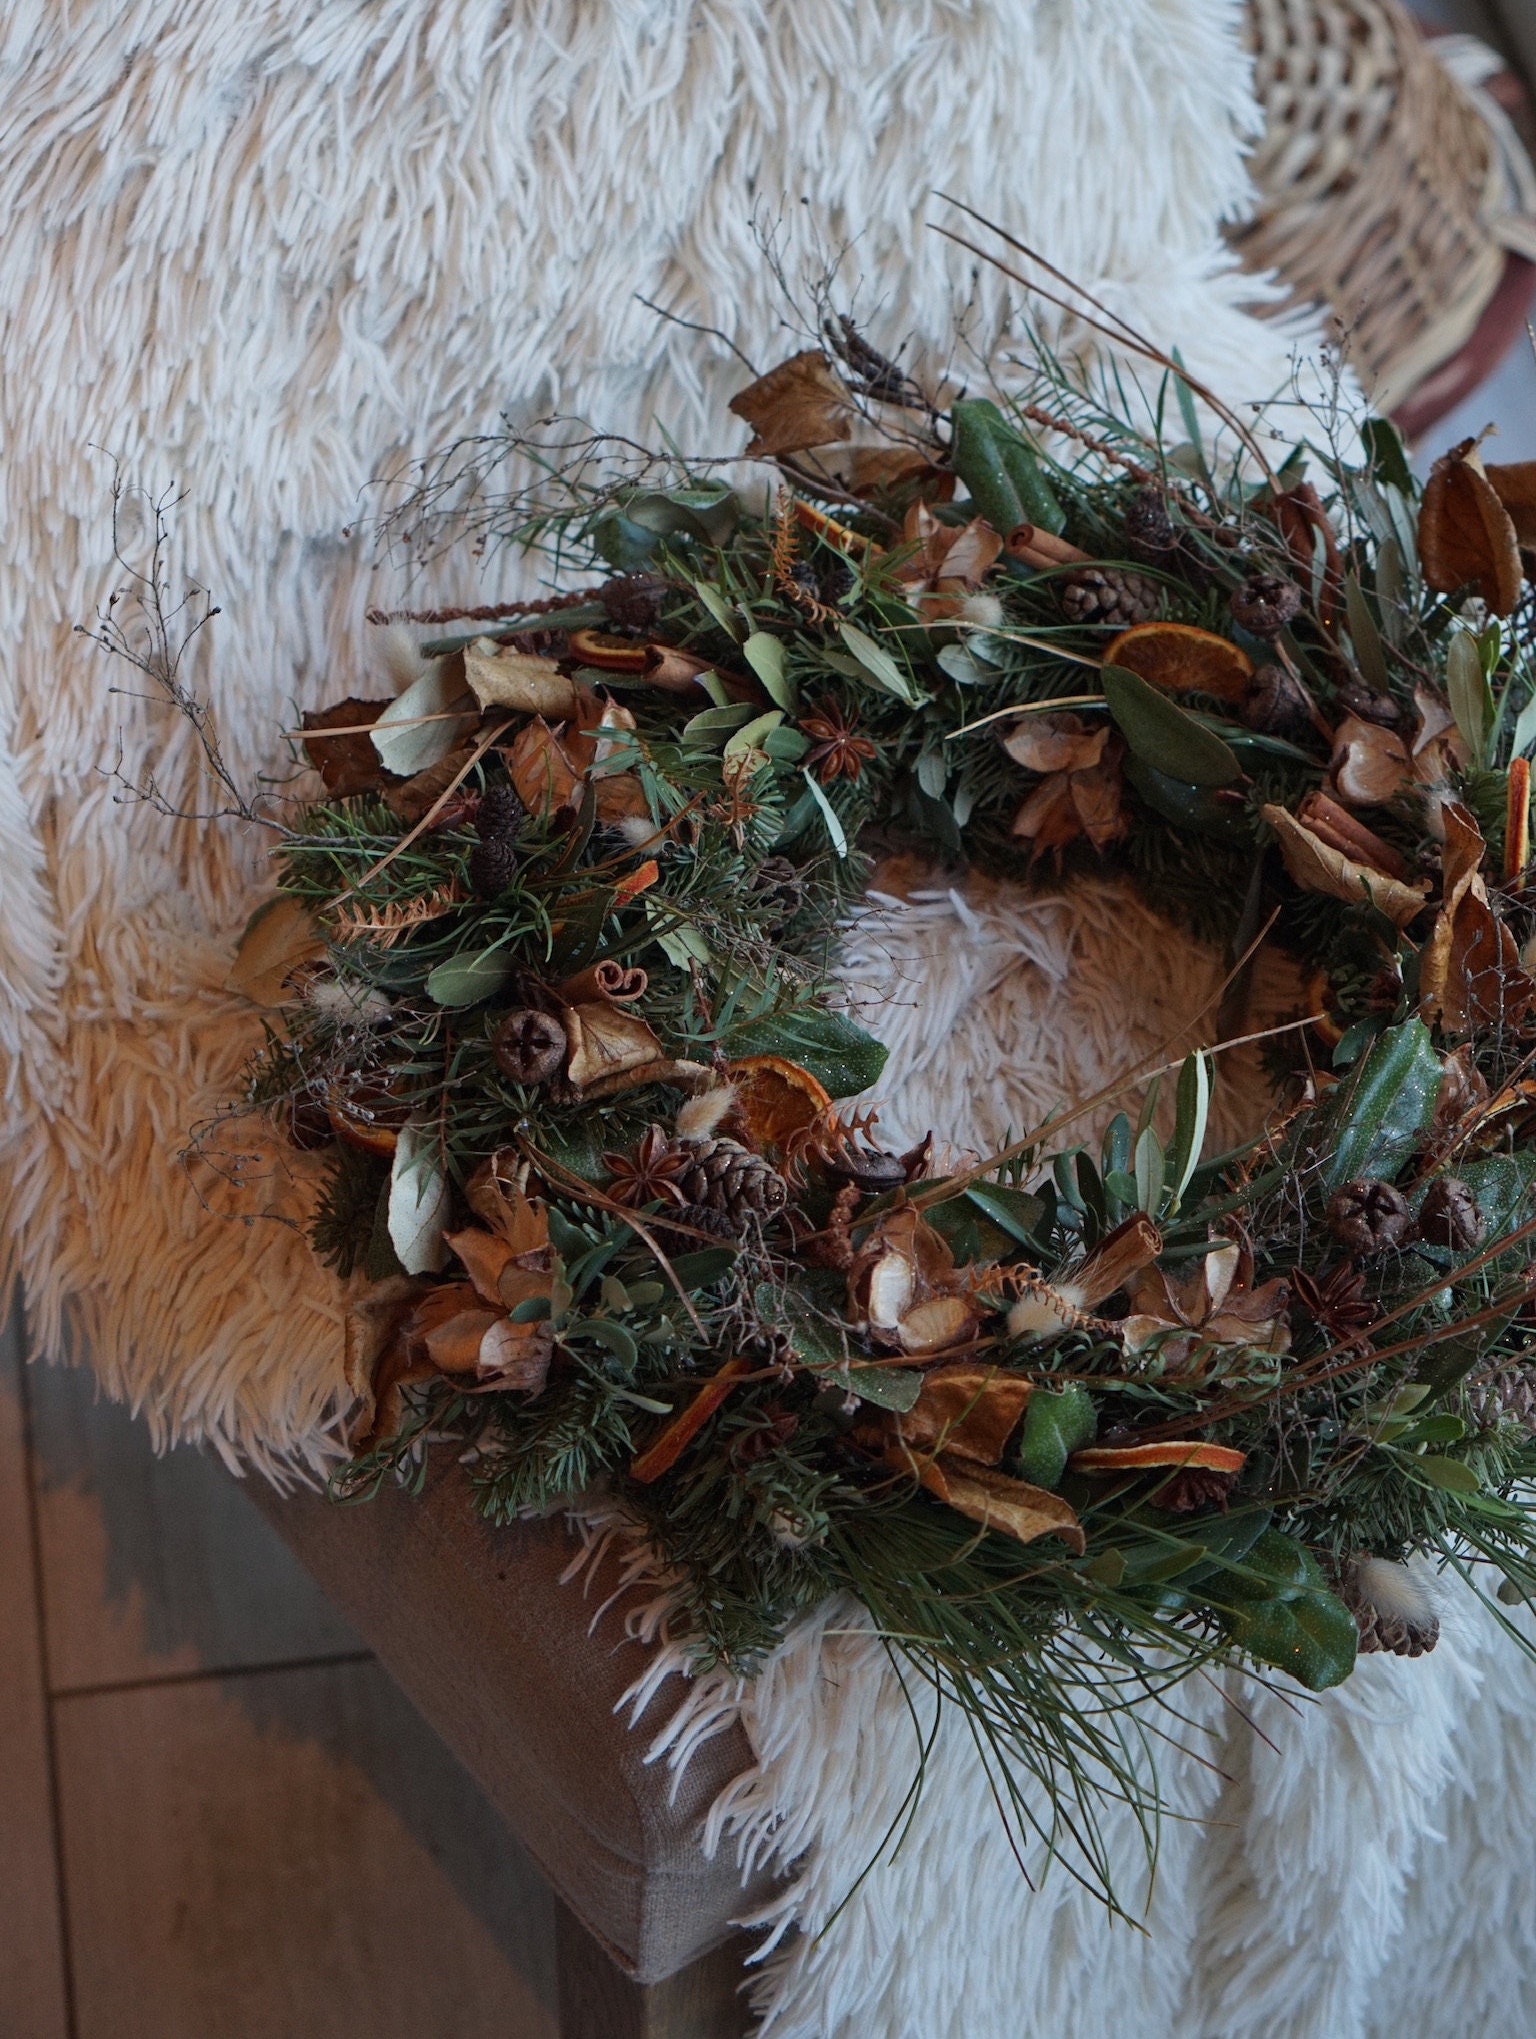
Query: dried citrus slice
pixel 776 1099
pixel 1181 659
pixel 609 654
pixel 1130 1458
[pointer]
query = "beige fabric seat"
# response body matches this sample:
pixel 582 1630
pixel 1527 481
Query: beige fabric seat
pixel 475 1626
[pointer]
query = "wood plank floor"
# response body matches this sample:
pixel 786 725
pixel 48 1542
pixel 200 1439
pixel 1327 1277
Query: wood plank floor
pixel 218 1816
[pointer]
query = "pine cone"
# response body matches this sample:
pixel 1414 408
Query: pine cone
pixel 1109 594
pixel 1509 1396
pixel 1194 1487
pixel 724 1184
pixel 633 600
pixel 1277 703
pixel 1449 1215
pixel 1149 532
pixel 492 866
pixel 529 1046
pixel 776 891
pixel 1369 1216
pixel 1265 603
pixel 500 812
pixel 1391 1609
pixel 493 860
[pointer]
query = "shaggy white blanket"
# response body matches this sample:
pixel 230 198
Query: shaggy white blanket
pixel 272 251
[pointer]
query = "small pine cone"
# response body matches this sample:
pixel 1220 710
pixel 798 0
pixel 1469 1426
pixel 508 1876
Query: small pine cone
pixel 1392 1610
pixel 1149 532
pixel 500 813
pixel 1369 1216
pixel 1449 1215
pixel 723 1184
pixel 1369 706
pixel 776 891
pixel 529 1046
pixel 1109 594
pixel 492 866
pixel 633 600
pixel 1277 703
pixel 1194 1487
pixel 1509 1396
pixel 1265 603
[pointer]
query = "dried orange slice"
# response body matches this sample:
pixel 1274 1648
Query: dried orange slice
pixel 776 1099
pixel 609 654
pixel 1130 1458
pixel 1180 659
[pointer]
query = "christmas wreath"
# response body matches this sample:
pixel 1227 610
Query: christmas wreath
pixel 552 962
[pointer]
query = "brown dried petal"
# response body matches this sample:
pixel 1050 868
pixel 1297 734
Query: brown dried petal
pixel 1466 535
pixel 969 1411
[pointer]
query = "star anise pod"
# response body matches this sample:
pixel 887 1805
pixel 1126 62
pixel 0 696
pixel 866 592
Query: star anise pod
pixel 1336 1299
pixel 649 1174
pixel 837 751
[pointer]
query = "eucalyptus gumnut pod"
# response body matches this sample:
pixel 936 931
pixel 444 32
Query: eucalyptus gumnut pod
pixel 529 1046
pixel 1367 1216
pixel 1265 603
pixel 1449 1215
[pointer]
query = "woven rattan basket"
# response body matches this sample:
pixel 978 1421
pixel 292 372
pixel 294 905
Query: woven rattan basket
pixel 1394 189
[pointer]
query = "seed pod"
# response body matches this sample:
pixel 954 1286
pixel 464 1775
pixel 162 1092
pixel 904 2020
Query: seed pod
pixel 529 1046
pixel 1277 703
pixel 1367 1216
pixel 1369 706
pixel 1449 1215
pixel 633 600
pixel 1265 603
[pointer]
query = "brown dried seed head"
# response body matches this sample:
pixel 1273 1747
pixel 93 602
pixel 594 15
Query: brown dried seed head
pixel 1265 603
pixel 1449 1215
pixel 1369 1216
pixel 1277 703
pixel 529 1046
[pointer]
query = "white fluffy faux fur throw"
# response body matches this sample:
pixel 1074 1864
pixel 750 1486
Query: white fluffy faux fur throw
pixel 270 251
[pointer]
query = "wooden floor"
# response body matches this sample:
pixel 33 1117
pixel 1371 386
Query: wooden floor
pixel 218 1817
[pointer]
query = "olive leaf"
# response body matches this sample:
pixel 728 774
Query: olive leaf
pixel 466 979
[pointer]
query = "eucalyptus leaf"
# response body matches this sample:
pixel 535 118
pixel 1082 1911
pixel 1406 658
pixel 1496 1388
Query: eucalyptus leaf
pixel 1467 690
pixel 878 664
pixel 1365 637
pixel 835 832
pixel 466 979
pixel 932 773
pixel 752 735
pixel 888 1387
pixel 710 723
pixel 1385 1107
pixel 1151 1172
pixel 764 653
pixel 840 1055
pixel 1164 735
pixel 1450 1474
pixel 962 667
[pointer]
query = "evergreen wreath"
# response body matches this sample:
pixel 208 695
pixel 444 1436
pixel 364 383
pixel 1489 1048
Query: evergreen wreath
pixel 552 960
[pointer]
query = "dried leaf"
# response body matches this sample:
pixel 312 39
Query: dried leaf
pixel 418 727
pixel 799 404
pixel 954 560
pixel 605 1040
pixel 411 801
pixel 1010 1507
pixel 1514 483
pixel 1469 969
pixel 541 771
pixel 500 676
pixel 374 1315
pixel 419 1201
pixel 967 1411
pixel 1317 867
pixel 1369 764
pixel 279 938
pixel 515 1355
pixel 1055 743
pixel 1466 535
pixel 484 1256
pixel 348 764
